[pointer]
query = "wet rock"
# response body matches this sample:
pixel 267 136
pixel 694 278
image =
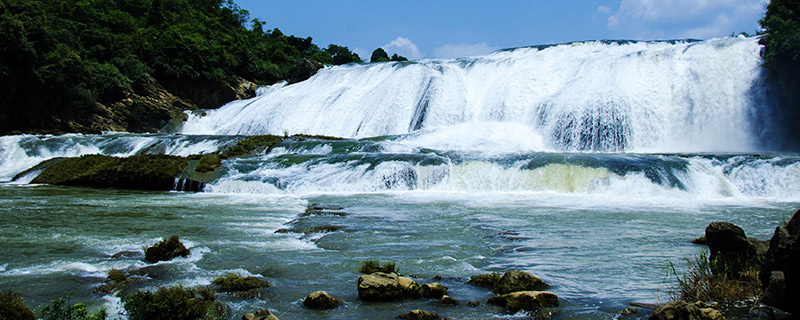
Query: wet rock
pixel 473 304
pixel 780 273
pixel 545 313
pixel 433 290
pixel 731 251
pixel 260 315
pixel 321 300
pixel 239 286
pixel 701 241
pixel 629 311
pixel 127 254
pixel 448 301
pixel 381 286
pixel 525 300
pixel 515 280
pixel 682 310
pixel 488 281
pixel 303 70
pixel 166 250
pixel 420 315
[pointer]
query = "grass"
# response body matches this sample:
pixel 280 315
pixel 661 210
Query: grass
pixel 699 283
pixel 372 266
pixel 174 303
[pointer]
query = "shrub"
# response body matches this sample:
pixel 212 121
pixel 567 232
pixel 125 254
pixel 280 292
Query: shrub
pixel 60 309
pixel 175 303
pixel 700 284
pixel 372 266
pixel 12 307
pixel 166 250
pixel 246 287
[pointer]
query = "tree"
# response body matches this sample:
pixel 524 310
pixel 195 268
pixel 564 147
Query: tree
pixel 395 57
pixel 379 55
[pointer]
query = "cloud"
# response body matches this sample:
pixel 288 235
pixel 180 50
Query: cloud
pixel 463 50
pixel 603 9
pixel 684 18
pixel 403 47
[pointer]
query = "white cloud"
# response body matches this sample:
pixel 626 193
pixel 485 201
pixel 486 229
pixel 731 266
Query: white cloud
pixel 463 50
pixel 603 9
pixel 684 18
pixel 403 47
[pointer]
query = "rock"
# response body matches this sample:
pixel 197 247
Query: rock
pixel 239 286
pixel 629 311
pixel 525 300
pixel 515 280
pixel 381 286
pixel 303 70
pixel 260 315
pixel 682 310
pixel 433 290
pixel 321 300
pixel 702 240
pixel 473 304
pixel 545 313
pixel 420 315
pixel 138 172
pixel 488 280
pixel 731 251
pixel 780 273
pixel 127 254
pixel 166 250
pixel 448 301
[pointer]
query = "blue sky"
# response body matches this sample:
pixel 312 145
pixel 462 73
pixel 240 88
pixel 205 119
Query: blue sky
pixel 444 29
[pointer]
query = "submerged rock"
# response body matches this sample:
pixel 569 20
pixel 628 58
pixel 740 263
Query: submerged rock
pixel 166 250
pixel 682 310
pixel 321 300
pixel 237 285
pixel 525 300
pixel 448 301
pixel 381 286
pixel 732 252
pixel 139 172
pixel 260 315
pixel 780 274
pixel 433 290
pixel 419 315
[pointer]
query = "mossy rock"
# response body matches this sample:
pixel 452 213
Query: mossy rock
pixel 233 283
pixel 208 163
pixel 515 280
pixel 139 172
pixel 372 266
pixel 488 281
pixel 251 145
pixel 116 280
pixel 175 303
pixel 12 307
pixel 166 250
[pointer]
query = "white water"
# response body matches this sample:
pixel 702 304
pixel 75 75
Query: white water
pixel 642 97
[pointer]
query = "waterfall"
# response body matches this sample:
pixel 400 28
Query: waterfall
pixel 678 96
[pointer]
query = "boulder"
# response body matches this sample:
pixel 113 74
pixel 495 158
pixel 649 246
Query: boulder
pixel 420 315
pixel 381 286
pixel 448 301
pixel 515 280
pixel 433 290
pixel 166 250
pixel 525 300
pixel 321 300
pixel 260 315
pixel 629 311
pixel 682 310
pixel 303 70
pixel 780 273
pixel 731 251
pixel 488 280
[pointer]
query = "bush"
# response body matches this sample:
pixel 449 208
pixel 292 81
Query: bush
pixel 700 284
pixel 175 303
pixel 12 307
pixel 61 310
pixel 166 250
pixel 372 266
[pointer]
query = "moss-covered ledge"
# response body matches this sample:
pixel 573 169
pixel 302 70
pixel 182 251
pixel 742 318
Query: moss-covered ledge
pixel 139 172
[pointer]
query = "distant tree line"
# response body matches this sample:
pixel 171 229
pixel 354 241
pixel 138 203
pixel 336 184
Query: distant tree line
pixel 59 59
pixel 380 55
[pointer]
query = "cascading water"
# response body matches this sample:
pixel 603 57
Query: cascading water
pixel 592 96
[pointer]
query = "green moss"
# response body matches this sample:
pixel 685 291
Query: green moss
pixel 140 172
pixel 12 307
pixel 166 250
pixel 208 163
pixel 60 309
pixel 251 145
pixel 372 266
pixel 302 137
pixel 175 303
pixel 489 280
pixel 232 282
pixel 116 280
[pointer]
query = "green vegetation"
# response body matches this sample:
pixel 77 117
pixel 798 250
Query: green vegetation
pixel 372 266
pixel 12 307
pixel 251 145
pixel 139 172
pixel 61 310
pixel 245 287
pixel 699 283
pixel 781 40
pixel 116 280
pixel 208 163
pixel 175 303
pixel 380 55
pixel 63 62
pixel 166 250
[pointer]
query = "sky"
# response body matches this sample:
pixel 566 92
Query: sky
pixel 446 29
